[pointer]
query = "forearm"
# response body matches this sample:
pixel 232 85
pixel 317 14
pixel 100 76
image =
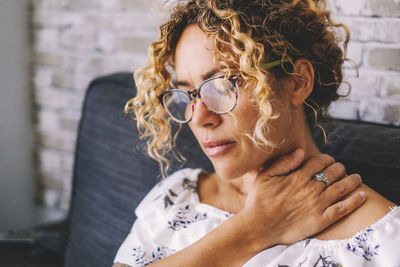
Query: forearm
pixel 228 245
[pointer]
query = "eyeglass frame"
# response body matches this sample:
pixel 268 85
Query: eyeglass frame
pixel 196 91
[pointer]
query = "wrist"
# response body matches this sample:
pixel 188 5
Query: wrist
pixel 259 234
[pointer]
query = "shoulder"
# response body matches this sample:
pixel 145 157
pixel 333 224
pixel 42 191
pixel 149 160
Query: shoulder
pixel 165 193
pixel 118 264
pixel 374 209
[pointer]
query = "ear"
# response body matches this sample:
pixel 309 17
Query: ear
pixel 303 81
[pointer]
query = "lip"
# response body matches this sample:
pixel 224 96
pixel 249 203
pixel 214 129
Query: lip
pixel 217 148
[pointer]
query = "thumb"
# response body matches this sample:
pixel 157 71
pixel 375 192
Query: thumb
pixel 285 164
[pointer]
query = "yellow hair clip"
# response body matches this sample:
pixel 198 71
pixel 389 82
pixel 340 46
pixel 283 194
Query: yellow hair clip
pixel 275 63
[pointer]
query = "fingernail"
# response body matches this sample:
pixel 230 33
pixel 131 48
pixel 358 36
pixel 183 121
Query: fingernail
pixel 363 195
pixel 297 152
pixel 359 177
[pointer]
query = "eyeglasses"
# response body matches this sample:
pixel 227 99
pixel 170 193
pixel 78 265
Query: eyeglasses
pixel 217 94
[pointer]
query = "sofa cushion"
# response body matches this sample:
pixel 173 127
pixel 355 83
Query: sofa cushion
pixel 371 150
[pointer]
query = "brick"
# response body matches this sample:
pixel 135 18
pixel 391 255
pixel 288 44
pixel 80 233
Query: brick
pixel 75 63
pixel 59 99
pixel 57 140
pixel 41 77
pixel 366 85
pixel 65 200
pixel 371 111
pixel 385 58
pixel 50 98
pixel 354 52
pixel 135 44
pixel 345 7
pixel 344 109
pixel 135 23
pixel 83 63
pixel 48 120
pixel 78 40
pixel 380 111
pixel 37 5
pixel 364 29
pixel 138 4
pixel 53 179
pixel 380 8
pixel 106 42
pixel 56 19
pixel 106 65
pixel 110 5
pixel 106 22
pixel 48 59
pixel 79 4
pixel 123 6
pixel 137 61
pixel 70 81
pixel 383 8
pixel 51 159
pixel 51 197
pixel 45 39
pixel 390 86
pixel 392 113
pixel 65 195
pixel 127 5
pixel 70 125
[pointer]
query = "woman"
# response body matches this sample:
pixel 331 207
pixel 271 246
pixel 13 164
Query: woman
pixel 264 72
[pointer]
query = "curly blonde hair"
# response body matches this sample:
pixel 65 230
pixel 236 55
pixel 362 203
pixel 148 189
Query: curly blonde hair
pixel 247 35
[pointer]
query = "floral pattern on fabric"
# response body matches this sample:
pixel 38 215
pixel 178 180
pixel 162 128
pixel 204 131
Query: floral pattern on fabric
pixel 321 262
pixel 187 184
pixel 184 217
pixel 164 226
pixel 359 245
pixel 298 265
pixel 326 262
pixel 168 198
pixel 142 259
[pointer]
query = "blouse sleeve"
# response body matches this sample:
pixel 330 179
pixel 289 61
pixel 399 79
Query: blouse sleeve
pixel 138 249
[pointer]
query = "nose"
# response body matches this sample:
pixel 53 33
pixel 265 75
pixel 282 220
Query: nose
pixel 202 117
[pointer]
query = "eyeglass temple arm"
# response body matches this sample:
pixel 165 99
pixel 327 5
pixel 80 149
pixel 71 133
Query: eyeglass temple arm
pixel 275 63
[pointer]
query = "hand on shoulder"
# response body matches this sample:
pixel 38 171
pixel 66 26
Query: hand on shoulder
pixel 374 208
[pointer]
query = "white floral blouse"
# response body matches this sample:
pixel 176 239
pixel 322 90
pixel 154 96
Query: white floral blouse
pixel 171 218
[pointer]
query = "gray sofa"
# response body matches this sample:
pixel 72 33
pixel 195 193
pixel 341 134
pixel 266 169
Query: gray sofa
pixel 112 173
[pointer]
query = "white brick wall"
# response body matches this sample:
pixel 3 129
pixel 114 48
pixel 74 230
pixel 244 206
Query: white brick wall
pixel 375 47
pixel 74 41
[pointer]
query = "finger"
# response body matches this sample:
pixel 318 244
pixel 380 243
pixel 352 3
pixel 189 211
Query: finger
pixel 285 164
pixel 334 172
pixel 340 189
pixel 342 208
pixel 316 164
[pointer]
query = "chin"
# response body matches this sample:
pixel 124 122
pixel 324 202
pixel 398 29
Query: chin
pixel 228 170
pixel 234 167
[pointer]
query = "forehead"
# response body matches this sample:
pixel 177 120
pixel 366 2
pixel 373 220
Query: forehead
pixel 194 54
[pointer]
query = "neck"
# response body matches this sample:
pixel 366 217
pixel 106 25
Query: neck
pixel 299 137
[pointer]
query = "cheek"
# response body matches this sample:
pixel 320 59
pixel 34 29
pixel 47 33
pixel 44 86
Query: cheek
pixel 276 129
pixel 245 118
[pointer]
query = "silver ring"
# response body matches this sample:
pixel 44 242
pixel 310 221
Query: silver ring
pixel 321 177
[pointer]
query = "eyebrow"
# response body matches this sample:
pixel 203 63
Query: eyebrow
pixel 204 77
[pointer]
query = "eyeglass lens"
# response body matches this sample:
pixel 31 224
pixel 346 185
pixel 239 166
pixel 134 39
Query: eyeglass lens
pixel 218 94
